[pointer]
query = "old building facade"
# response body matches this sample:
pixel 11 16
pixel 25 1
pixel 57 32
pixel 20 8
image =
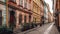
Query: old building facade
pixel 37 11
pixel 19 12
pixel 2 12
pixel 50 17
pixel 15 13
pixel 57 12
pixel 22 11
pixel 46 7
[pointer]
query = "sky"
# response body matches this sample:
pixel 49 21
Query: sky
pixel 50 4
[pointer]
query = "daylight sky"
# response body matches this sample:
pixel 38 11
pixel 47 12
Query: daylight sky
pixel 50 4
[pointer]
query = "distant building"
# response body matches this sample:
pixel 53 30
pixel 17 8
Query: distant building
pixel 50 17
pixel 46 12
pixel 37 11
pixel 56 4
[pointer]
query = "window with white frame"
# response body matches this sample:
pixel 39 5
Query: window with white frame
pixel 25 3
pixel 21 2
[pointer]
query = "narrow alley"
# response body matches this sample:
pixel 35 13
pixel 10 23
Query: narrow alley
pixel 49 28
pixel 29 16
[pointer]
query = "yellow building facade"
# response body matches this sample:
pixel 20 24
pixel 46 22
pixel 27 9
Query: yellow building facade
pixel 36 11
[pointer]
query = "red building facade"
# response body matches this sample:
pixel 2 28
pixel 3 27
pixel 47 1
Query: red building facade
pixel 20 12
pixel 57 13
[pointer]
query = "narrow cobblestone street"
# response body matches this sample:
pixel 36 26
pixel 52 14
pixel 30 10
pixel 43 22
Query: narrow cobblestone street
pixel 29 16
pixel 45 29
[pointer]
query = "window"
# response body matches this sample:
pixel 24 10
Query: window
pixel 37 8
pixel 34 19
pixel 21 2
pixel 29 18
pixel 25 3
pixel 25 19
pixel 29 4
pixel 20 19
pixel 0 17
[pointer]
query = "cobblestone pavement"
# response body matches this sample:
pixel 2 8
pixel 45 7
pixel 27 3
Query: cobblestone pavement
pixel 45 29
